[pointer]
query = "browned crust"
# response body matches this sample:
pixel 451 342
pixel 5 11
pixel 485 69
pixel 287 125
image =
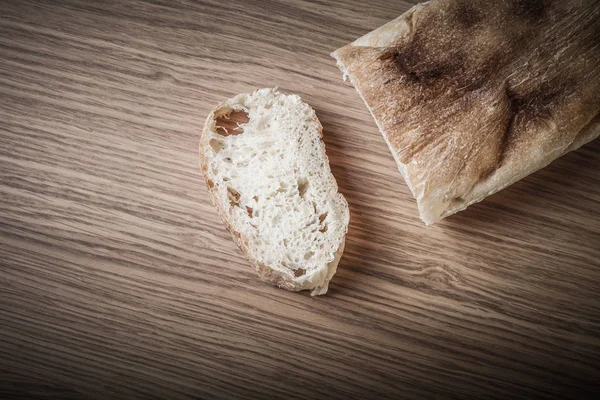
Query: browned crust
pixel 473 95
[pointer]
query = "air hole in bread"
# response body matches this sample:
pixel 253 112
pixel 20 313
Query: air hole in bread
pixel 249 211
pixel 210 183
pixel 282 187
pixel 321 219
pixel 255 198
pixel 308 255
pixel 228 160
pixel 314 206
pixel 234 196
pixel 229 122
pixel 302 186
pixel 285 242
pixel 299 272
pixel 216 144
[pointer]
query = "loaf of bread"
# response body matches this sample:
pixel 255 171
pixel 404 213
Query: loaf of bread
pixel 265 166
pixel 473 95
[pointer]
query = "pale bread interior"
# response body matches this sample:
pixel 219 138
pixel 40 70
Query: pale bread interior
pixel 266 168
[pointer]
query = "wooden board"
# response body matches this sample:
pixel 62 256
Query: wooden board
pixel 118 280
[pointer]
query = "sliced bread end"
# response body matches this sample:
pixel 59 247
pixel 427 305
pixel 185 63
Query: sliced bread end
pixel 265 166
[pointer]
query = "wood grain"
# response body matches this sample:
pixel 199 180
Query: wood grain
pixel 118 280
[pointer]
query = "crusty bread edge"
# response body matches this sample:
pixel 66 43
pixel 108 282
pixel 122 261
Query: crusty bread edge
pixel 381 37
pixel 265 273
pixel 384 36
pixel 487 187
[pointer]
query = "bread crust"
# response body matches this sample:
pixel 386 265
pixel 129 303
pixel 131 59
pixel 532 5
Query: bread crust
pixel 472 96
pixel 267 274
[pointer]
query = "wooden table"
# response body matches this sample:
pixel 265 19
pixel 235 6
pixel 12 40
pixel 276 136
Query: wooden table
pixel 118 279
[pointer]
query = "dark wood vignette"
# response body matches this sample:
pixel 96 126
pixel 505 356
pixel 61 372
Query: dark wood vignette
pixel 118 280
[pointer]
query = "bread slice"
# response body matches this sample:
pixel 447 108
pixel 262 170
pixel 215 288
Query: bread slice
pixel 265 166
pixel 473 95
